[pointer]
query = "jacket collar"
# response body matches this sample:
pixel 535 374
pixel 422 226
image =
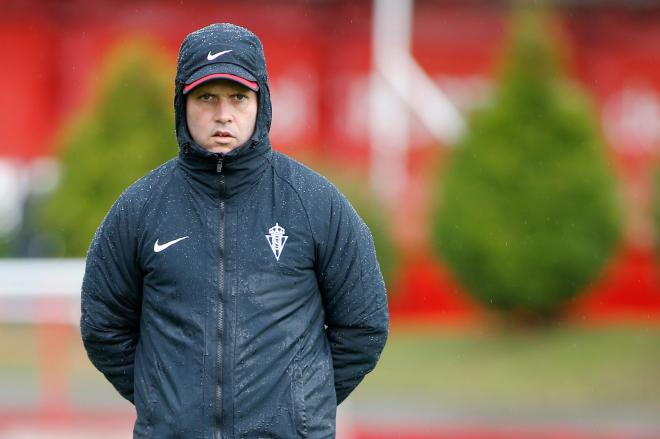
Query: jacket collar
pixel 225 175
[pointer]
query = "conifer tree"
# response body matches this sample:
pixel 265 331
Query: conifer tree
pixel 127 132
pixel 527 211
pixel 655 208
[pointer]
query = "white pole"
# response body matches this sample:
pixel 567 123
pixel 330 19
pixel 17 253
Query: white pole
pixel 393 97
pixel 389 117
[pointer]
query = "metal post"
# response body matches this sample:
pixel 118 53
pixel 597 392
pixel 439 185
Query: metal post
pixel 389 117
pixel 393 98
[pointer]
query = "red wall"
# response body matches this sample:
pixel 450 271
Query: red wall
pixel 319 61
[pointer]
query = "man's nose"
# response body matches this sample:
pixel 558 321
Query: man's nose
pixel 223 112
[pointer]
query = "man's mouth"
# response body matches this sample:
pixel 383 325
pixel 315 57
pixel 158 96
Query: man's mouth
pixel 222 133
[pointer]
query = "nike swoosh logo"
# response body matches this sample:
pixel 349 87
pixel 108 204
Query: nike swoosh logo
pixel 160 247
pixel 214 56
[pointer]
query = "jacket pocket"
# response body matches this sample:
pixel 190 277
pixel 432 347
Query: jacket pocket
pixel 298 399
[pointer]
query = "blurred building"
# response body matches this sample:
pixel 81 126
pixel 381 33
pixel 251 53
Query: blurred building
pixel 319 58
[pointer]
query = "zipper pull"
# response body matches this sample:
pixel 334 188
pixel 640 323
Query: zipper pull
pixel 218 166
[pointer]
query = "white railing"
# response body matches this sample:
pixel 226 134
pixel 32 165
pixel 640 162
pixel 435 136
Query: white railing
pixel 40 290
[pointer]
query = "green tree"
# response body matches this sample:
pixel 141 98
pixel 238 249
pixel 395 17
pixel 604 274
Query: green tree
pixel 527 212
pixel 129 131
pixel 655 212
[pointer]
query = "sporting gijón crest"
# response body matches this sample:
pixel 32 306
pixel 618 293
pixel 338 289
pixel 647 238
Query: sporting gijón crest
pixel 276 238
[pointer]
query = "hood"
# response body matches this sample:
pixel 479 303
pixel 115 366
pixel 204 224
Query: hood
pixel 243 51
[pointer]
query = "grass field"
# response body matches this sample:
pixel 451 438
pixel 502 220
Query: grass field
pixel 600 375
pixel 567 374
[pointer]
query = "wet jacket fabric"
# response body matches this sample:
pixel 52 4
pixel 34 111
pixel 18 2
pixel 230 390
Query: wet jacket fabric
pixel 233 295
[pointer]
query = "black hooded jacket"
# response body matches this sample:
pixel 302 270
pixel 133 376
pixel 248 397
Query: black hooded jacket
pixel 192 310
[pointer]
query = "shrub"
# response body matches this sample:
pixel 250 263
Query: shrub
pixel 527 213
pixel 129 131
pixel 655 175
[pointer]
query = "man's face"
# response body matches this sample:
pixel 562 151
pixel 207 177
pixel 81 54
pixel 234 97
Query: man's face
pixel 221 114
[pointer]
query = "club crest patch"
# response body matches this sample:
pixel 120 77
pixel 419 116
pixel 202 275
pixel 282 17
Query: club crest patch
pixel 276 239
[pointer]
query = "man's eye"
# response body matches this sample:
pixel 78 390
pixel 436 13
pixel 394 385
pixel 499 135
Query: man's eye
pixel 205 97
pixel 240 97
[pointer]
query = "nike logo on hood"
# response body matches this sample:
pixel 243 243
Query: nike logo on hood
pixel 214 56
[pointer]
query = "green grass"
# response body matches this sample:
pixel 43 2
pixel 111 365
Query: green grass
pixel 18 346
pixel 560 369
pixel 30 356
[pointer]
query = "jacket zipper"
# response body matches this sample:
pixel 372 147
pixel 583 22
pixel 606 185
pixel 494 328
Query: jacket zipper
pixel 221 284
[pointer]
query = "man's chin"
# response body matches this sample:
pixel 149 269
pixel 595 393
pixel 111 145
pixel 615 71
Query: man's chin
pixel 220 148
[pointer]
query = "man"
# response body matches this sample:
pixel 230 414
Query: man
pixel 232 292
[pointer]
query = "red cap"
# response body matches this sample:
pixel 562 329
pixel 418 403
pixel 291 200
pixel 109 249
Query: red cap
pixel 249 84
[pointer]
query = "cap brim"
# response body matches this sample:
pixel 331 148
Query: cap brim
pixel 231 72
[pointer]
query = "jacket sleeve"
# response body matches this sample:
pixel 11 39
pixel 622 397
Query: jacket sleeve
pixel 354 297
pixel 111 300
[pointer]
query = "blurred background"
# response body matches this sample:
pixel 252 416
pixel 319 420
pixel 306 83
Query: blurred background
pixel 504 155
